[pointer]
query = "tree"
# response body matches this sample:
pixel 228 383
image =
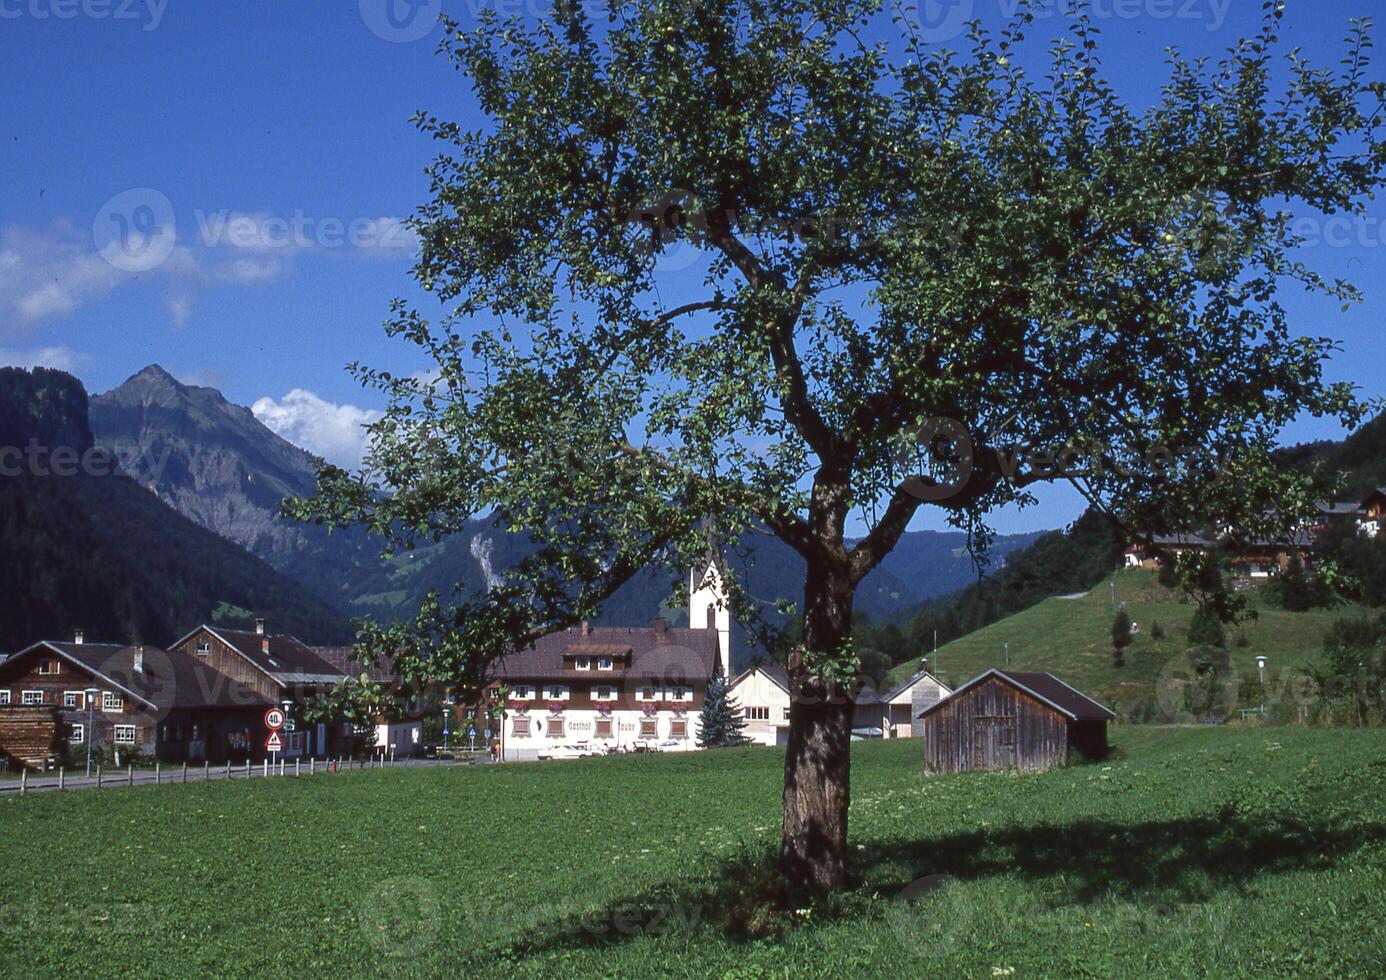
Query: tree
pixel 1205 629
pixel 1121 635
pixel 928 280
pixel 720 722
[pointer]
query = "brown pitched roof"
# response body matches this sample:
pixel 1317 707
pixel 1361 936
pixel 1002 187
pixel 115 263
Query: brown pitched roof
pixel 167 682
pixel 675 653
pixel 1046 687
pixel 289 660
pixel 345 660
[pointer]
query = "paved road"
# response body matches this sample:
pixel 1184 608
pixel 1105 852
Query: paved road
pixel 49 782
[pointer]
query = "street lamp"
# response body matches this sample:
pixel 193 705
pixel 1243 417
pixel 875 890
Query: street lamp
pixel 1261 671
pixel 90 694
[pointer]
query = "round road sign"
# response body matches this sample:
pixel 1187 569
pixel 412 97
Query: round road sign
pixel 274 719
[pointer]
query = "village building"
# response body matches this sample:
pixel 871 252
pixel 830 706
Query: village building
pixel 1005 719
pixel 763 697
pixel 606 689
pixel 57 696
pixel 902 705
pixel 281 669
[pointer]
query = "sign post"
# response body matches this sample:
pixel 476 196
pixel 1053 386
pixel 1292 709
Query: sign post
pixel 471 737
pixel 274 721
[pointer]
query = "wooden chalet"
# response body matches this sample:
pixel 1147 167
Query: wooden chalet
pixel 281 669
pixel 1005 719
pixel 57 695
pixel 902 705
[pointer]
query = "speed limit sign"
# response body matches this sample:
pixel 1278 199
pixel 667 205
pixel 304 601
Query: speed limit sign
pixel 274 719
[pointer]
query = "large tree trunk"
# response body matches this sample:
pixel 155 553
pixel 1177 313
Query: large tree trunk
pixel 817 767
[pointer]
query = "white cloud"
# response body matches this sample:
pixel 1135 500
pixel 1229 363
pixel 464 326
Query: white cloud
pixel 50 272
pixel 334 432
pixel 62 358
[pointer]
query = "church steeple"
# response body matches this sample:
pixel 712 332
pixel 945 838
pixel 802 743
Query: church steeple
pixel 707 605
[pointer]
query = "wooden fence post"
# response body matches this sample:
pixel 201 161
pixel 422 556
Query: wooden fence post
pixel 313 765
pixel 296 762
pixel 185 772
pixel 130 773
pixel 23 781
pixel 156 773
pixel 98 775
pixel 62 778
pixel 206 770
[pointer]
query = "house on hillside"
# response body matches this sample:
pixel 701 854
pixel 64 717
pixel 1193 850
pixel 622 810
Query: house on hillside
pixel 136 698
pixel 1366 513
pixel 1005 719
pixel 281 669
pixel 902 705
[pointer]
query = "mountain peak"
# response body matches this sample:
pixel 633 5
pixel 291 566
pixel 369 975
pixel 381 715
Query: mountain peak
pixel 154 374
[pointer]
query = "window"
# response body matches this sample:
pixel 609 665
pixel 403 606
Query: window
pixel 603 693
pixel 757 714
pixel 204 648
pixel 522 692
pixel 110 701
pixel 520 726
pixel 49 665
pixel 72 699
pixel 78 733
pixel 678 728
pixel 681 694
pixel 603 728
pixel 648 694
pixel 584 663
pixel 603 663
pixel 125 734
pixel 786 714
pixel 649 727
pixel 556 692
pixel 554 727
pixel 4 697
pixel 31 697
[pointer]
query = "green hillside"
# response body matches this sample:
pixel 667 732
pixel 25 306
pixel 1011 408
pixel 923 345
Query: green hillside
pixel 1072 639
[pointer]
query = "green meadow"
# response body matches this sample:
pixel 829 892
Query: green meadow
pixel 1230 851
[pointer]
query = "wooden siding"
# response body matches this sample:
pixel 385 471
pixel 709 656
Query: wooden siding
pixel 226 660
pixel 29 737
pixel 994 726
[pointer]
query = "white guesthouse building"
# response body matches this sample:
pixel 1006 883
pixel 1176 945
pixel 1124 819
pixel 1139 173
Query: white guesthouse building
pixel 617 688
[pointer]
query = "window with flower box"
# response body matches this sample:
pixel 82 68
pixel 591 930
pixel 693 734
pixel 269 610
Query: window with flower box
pixel 522 692
pixel 556 692
pixel 681 694
pixel 604 693
pixel 648 694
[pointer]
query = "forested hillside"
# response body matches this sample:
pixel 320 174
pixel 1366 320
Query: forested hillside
pixel 86 547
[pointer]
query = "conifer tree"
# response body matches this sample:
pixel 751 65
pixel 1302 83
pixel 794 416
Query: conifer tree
pixel 720 722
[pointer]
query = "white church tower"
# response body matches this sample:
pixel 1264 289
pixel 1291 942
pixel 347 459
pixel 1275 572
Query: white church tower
pixel 708 609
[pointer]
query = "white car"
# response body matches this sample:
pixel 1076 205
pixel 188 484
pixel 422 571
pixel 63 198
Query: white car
pixel 565 752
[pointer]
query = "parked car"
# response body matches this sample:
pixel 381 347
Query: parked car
pixel 858 734
pixel 564 752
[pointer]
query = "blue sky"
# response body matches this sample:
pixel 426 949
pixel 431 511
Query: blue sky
pixel 266 147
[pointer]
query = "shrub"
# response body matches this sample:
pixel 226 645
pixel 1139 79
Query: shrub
pixel 1157 632
pixel 1205 629
pixel 1121 631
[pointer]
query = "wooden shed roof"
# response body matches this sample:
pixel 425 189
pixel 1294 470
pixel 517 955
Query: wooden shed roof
pixel 1063 698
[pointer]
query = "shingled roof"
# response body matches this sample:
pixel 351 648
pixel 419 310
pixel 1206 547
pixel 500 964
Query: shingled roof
pixel 166 682
pixel 1047 688
pixel 640 653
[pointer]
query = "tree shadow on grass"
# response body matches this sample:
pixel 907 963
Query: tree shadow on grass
pixel 1184 860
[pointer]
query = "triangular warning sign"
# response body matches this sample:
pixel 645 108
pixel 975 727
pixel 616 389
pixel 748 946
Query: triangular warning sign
pixel 274 743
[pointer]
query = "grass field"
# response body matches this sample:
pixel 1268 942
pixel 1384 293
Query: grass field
pixel 1072 638
pixel 1197 851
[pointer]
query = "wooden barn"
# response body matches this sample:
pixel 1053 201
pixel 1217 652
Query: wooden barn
pixel 1005 719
